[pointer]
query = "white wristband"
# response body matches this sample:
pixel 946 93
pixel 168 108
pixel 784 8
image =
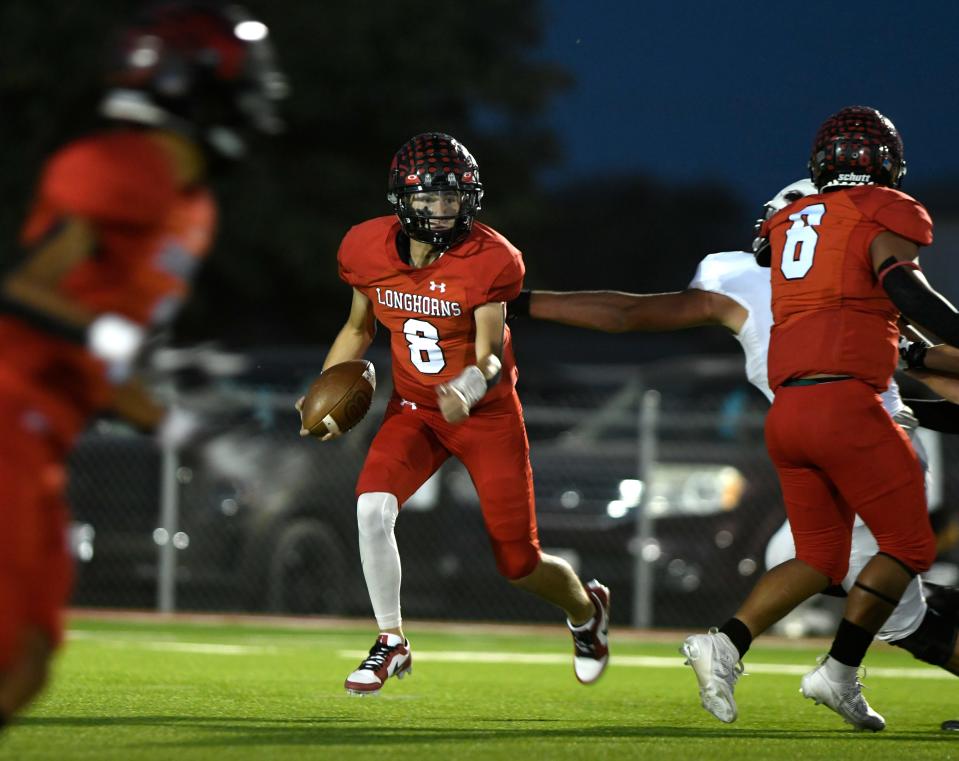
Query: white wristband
pixel 469 385
pixel 115 340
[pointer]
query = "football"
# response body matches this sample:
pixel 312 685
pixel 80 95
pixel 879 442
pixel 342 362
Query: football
pixel 339 398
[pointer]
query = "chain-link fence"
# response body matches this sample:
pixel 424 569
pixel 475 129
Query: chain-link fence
pixel 653 479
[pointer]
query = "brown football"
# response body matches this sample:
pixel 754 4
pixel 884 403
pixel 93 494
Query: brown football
pixel 339 398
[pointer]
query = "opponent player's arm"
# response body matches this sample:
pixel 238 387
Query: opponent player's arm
pixel 894 261
pixel 932 413
pixel 460 395
pixel 942 358
pixel 618 312
pixel 357 333
pixel 919 356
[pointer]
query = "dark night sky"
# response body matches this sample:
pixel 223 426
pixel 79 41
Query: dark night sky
pixel 735 90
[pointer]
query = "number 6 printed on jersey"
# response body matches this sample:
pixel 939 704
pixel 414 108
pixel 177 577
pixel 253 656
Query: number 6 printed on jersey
pixel 801 240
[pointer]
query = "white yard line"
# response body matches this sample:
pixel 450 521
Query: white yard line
pixel 171 646
pixel 641 661
pixel 470 656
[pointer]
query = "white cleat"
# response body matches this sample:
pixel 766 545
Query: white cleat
pixel 845 698
pixel 716 663
pixel 591 640
pixel 384 661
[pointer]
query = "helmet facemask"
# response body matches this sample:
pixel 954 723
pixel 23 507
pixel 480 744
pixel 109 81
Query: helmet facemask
pixel 440 218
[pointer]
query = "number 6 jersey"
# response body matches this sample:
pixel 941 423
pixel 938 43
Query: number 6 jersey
pixel 429 311
pixel 830 313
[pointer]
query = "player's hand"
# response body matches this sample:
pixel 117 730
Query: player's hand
pixel 912 354
pixel 299 408
pixel 303 431
pixel 178 427
pixel 453 406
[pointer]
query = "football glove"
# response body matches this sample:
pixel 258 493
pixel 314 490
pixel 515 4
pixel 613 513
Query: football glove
pixel 912 354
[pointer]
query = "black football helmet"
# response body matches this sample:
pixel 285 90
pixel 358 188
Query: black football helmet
pixel 792 192
pixel 202 68
pixel 434 162
pixel 857 146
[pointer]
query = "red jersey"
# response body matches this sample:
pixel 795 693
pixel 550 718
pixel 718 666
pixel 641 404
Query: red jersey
pixel 830 313
pixel 150 235
pixel 429 311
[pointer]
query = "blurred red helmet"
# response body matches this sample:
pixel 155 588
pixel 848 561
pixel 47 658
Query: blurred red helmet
pixel 205 69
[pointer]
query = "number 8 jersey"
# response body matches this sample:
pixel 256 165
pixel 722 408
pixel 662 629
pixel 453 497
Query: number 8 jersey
pixel 831 315
pixel 429 310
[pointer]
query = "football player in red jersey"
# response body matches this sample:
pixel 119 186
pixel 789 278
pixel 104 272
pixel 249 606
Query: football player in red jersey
pixel 438 280
pixel 843 268
pixel 120 221
pixel 732 289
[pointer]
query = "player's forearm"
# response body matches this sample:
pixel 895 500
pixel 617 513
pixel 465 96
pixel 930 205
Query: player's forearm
pixel 946 386
pixel 596 310
pixel 135 404
pixel 918 302
pixel 489 360
pixel 618 312
pixel 22 295
pixel 490 328
pixel 349 343
pixel 942 358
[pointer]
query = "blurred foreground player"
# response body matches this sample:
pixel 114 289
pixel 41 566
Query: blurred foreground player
pixel 437 280
pixel 120 221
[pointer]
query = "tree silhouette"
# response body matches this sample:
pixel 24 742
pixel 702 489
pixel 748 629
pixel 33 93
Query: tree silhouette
pixel 366 76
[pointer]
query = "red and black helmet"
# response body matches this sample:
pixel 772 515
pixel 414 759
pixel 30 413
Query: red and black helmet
pixel 429 163
pixel 200 67
pixel 857 146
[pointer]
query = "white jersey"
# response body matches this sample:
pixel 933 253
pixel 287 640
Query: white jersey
pixel 736 275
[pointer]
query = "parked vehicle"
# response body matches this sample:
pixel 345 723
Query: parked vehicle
pixel 266 519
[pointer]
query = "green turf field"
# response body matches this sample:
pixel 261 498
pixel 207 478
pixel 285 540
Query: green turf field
pixel 128 691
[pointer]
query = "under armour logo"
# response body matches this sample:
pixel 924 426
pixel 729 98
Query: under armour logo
pixel 441 287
